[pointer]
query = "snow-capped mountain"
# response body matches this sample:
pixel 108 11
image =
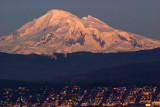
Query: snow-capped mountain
pixel 59 31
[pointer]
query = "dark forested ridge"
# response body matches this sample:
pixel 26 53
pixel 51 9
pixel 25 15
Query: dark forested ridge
pixel 147 73
pixel 44 68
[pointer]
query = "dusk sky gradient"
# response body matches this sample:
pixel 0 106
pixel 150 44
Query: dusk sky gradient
pixel 135 16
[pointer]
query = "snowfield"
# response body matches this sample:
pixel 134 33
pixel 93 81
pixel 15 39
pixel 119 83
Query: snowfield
pixel 59 31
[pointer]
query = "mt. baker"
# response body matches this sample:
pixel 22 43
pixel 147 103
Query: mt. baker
pixel 59 31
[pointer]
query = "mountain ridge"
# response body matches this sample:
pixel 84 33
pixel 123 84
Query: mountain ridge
pixel 124 74
pixel 59 31
pixel 44 68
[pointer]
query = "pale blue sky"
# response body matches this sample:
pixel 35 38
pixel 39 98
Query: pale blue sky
pixel 136 16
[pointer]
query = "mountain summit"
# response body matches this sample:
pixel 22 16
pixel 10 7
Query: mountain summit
pixel 59 31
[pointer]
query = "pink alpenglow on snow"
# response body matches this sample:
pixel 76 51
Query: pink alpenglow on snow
pixel 59 31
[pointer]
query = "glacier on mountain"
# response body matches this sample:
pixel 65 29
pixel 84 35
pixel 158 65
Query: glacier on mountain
pixel 59 31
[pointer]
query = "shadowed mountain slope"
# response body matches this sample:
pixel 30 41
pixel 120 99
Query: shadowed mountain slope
pixel 39 67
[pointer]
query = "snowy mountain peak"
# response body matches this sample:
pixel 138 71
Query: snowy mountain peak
pixel 56 12
pixel 89 16
pixel 61 32
pixel 59 14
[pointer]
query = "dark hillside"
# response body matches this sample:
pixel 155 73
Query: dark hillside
pixel 39 67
